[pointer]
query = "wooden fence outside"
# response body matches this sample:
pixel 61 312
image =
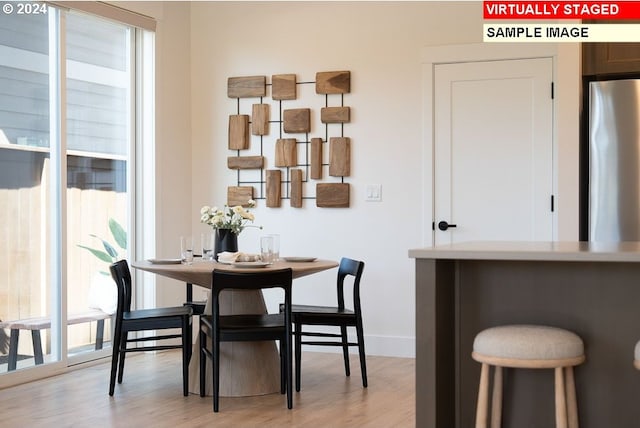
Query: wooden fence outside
pixel 25 282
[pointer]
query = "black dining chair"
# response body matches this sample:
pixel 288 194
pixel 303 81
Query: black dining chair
pixel 127 320
pixel 338 316
pixel 247 327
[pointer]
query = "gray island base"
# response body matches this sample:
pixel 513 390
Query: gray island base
pixel 592 289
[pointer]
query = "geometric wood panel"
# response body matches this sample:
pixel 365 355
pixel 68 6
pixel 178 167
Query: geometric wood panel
pixel 260 119
pixel 245 162
pixel 274 188
pixel 239 195
pixel 246 87
pixel 339 156
pixel 316 159
pixel 297 120
pixel 283 87
pixel 286 152
pixel 334 114
pixel 238 132
pixel 332 195
pixel 333 82
pixel 296 187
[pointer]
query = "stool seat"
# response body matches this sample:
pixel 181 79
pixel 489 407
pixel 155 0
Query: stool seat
pixel 636 356
pixel 531 347
pixel 529 343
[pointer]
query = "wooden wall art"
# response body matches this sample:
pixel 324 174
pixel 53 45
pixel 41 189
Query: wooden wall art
pixel 238 132
pixel 239 195
pixel 285 150
pixel 332 195
pixel 247 87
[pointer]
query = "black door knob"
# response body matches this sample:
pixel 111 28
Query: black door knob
pixel 443 225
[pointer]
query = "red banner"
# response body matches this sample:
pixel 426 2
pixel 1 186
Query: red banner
pixel 561 10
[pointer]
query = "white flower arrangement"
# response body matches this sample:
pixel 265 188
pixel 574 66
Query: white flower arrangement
pixel 234 218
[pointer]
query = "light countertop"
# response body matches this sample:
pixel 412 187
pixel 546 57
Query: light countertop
pixel 542 251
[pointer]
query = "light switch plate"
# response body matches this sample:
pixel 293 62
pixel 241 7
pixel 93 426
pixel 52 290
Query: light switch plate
pixel 374 193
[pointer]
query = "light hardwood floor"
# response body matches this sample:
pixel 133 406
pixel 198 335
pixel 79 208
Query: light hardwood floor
pixel 151 396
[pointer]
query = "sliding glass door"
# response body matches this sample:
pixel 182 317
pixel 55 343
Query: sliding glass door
pixel 26 195
pixel 67 132
pixel 99 135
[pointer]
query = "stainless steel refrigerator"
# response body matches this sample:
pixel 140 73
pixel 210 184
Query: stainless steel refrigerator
pixel 614 161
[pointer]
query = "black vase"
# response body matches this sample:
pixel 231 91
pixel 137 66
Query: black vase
pixel 226 240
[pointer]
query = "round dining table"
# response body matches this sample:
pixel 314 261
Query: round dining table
pixel 246 368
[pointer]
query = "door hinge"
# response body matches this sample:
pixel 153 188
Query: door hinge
pixel 552 203
pixel 552 91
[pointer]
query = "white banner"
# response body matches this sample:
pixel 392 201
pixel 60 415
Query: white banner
pixel 558 33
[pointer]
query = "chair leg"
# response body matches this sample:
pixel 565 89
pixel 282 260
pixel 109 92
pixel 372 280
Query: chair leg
pixel 496 398
pixel 186 354
pixel 345 349
pixel 189 330
pixel 288 360
pixel 572 403
pixel 123 346
pixel 115 354
pixel 363 360
pixel 203 361
pixel 561 403
pixel 298 356
pixel 483 397
pixel 283 368
pixel 216 370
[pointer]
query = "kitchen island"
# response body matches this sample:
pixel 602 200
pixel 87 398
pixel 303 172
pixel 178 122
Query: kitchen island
pixel 592 289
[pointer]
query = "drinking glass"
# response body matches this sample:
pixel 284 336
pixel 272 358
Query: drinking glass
pixel 275 247
pixel 186 249
pixel 208 241
pixel 266 249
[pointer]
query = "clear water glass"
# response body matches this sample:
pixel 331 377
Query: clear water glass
pixel 266 249
pixel 186 249
pixel 208 242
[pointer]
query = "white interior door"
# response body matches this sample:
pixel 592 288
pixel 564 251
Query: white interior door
pixel 493 160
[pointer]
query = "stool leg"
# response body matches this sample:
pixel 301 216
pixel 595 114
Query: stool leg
pixel 483 397
pixel 13 349
pixel 561 403
pixel 37 346
pixel 99 334
pixel 496 398
pixel 572 403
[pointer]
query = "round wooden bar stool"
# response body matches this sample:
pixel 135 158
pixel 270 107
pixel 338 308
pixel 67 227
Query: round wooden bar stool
pixel 530 347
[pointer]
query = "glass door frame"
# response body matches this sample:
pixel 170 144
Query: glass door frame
pixel 140 175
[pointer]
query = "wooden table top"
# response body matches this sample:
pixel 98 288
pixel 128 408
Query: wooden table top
pixel 200 272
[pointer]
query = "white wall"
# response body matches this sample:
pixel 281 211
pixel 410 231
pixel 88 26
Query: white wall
pixel 173 173
pixel 381 44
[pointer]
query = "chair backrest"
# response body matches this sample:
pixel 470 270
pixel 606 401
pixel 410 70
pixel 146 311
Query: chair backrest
pixel 353 268
pixel 222 280
pixel 122 277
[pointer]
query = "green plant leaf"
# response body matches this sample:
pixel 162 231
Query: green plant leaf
pixel 119 235
pixel 111 251
pixel 99 254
